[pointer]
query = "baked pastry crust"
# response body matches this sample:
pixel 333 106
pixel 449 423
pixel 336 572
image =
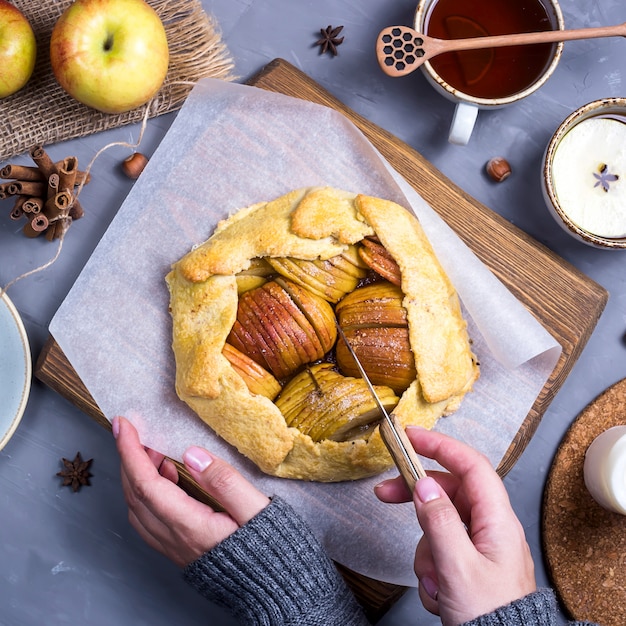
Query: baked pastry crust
pixel 312 223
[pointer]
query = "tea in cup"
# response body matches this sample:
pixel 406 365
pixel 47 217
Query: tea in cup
pixel 491 77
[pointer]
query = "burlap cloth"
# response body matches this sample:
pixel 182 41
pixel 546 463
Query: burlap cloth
pixel 42 113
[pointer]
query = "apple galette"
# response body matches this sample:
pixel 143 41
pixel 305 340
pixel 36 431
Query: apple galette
pixel 255 338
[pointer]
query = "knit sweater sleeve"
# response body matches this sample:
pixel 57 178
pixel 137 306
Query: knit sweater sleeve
pixel 535 609
pixel 274 572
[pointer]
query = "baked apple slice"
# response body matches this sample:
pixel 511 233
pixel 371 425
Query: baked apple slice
pixel 330 279
pixel 282 326
pixel 323 404
pixel 375 256
pixel 258 380
pixel 375 323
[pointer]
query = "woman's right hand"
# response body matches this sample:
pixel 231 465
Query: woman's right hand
pixel 473 556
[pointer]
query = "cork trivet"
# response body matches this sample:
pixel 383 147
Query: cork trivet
pixel 585 545
pixel 42 113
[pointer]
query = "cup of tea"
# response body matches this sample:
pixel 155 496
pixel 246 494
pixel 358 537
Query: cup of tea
pixel 492 77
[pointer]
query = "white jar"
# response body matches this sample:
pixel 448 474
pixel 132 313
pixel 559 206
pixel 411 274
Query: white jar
pixel 605 469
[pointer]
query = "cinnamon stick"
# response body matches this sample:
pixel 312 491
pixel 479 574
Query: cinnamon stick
pixel 33 205
pixel 45 193
pixel 76 209
pixel 39 223
pixel 12 171
pixel 27 188
pixel 67 174
pixel 57 229
pixel 57 206
pixel 43 161
pixel 18 208
pixel 29 231
pixel 53 185
pixel 12 188
pixel 21 172
pixel 81 176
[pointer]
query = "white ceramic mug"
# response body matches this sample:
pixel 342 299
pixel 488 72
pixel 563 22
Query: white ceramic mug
pixel 605 469
pixel 467 106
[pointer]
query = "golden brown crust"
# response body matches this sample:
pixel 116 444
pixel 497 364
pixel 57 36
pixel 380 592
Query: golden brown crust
pixel 310 224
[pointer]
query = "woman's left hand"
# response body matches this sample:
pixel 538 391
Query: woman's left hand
pixel 168 519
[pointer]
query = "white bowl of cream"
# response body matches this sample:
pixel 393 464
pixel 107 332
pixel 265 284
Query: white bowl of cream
pixel 584 174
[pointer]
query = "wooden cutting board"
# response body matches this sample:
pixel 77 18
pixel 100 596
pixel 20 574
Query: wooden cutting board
pixel 564 300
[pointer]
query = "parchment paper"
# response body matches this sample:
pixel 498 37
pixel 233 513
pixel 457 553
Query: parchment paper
pixel 231 146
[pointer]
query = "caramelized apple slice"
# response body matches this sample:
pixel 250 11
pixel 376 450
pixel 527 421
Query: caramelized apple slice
pixel 280 331
pixel 255 276
pixel 323 404
pixel 286 309
pixel 283 355
pixel 350 262
pixel 258 380
pixel 375 255
pixel 246 283
pixel 375 324
pixel 362 419
pixel 330 279
pixel 378 304
pixel 317 311
pixel 258 267
pixel 282 322
pixel 385 354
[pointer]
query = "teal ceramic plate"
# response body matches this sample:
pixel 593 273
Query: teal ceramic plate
pixel 15 369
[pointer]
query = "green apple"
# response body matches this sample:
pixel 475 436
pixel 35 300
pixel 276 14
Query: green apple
pixel 18 49
pixel 111 55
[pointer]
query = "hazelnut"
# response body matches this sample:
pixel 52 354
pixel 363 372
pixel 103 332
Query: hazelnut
pixel 133 165
pixel 498 169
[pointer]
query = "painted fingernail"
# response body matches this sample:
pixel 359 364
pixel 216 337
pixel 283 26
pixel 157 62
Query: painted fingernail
pixel 430 587
pixel 115 427
pixel 197 458
pixel 427 489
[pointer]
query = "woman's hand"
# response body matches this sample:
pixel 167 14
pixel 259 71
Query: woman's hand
pixel 168 519
pixel 473 556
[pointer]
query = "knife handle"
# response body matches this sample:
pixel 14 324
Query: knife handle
pixel 402 452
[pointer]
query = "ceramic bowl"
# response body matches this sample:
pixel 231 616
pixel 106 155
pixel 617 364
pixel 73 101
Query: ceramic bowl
pixel 602 178
pixel 15 369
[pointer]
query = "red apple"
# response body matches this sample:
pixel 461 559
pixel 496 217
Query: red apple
pixel 111 55
pixel 18 49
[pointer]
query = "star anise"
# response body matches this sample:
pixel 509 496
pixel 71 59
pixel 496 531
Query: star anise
pixel 329 40
pixel 604 178
pixel 76 472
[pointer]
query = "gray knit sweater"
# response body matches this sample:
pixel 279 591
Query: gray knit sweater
pixel 273 572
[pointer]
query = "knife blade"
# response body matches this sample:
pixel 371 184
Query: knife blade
pixel 394 436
